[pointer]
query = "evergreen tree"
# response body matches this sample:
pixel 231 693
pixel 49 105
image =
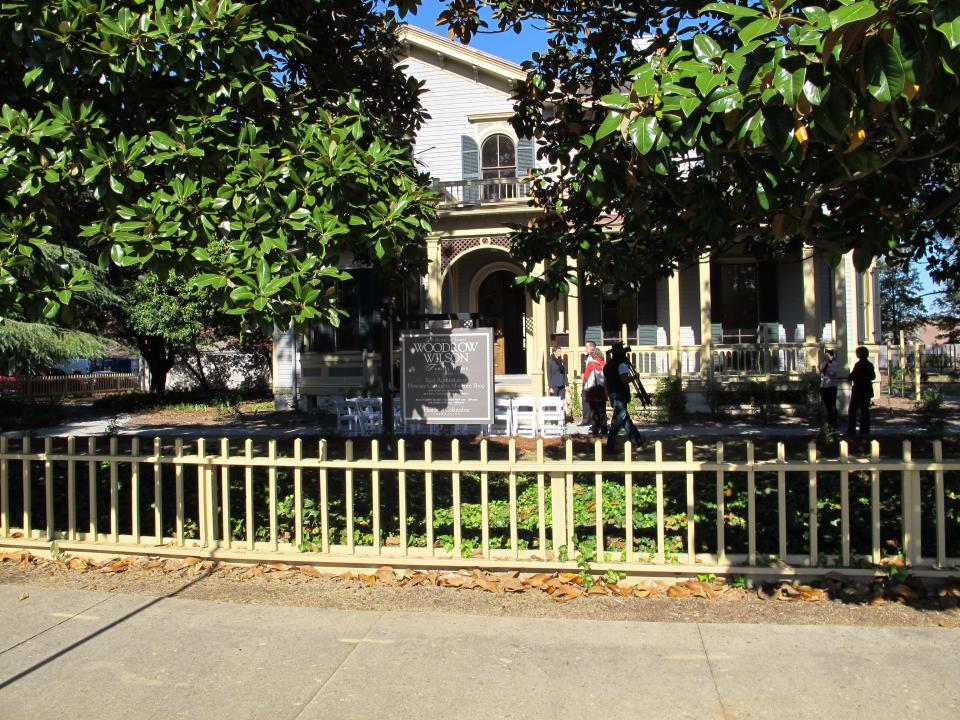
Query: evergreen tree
pixel 901 307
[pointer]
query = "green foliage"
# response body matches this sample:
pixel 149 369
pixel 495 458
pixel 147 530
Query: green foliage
pixel 947 318
pixel 901 307
pixel 281 130
pixel 759 126
pixel 669 400
pixel 38 346
pixel 931 415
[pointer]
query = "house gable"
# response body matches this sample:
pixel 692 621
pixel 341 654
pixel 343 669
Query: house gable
pixel 467 94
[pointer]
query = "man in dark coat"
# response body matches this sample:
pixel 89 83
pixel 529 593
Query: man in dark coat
pixel 617 375
pixel 861 380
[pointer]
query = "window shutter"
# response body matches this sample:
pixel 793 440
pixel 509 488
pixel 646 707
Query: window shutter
pixel 369 310
pixel 592 299
pixel 526 159
pixel 470 159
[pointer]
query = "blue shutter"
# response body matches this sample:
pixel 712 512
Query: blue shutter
pixel 470 158
pixel 592 309
pixel 526 159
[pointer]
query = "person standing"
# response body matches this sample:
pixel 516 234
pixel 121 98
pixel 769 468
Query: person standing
pixel 594 392
pixel 828 386
pixel 861 380
pixel 617 377
pixel 589 368
pixel 557 376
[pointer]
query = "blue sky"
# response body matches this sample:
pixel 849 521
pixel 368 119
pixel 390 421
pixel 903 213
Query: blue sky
pixel 509 45
pixel 518 48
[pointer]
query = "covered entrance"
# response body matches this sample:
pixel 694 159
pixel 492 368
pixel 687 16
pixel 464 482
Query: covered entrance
pixel 504 303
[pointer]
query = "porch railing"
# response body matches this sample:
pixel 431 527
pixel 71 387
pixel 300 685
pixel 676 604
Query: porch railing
pixel 669 510
pixel 476 193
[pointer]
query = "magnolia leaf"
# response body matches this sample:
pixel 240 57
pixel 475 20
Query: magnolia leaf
pixel 946 20
pixel 609 124
pixel 763 26
pixel 705 48
pixel 730 9
pixel 884 71
pixel 862 10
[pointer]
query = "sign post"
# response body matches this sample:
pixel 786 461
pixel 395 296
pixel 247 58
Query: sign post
pixel 447 376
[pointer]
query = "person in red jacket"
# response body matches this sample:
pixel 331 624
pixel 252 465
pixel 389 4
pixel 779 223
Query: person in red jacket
pixel 594 394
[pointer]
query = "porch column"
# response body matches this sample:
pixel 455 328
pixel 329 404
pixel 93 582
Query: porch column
pixel 434 297
pixel 811 318
pixel 537 355
pixel 706 317
pixel 574 322
pixel 673 306
pixel 841 331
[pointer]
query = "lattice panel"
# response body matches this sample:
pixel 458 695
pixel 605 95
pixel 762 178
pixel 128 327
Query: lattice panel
pixel 452 248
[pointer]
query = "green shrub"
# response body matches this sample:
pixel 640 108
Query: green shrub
pixel 669 400
pixel 931 414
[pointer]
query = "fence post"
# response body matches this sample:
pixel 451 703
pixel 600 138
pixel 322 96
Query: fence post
pixel 916 372
pixel 558 511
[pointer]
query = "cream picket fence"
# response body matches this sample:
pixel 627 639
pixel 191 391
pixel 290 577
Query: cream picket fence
pixel 250 502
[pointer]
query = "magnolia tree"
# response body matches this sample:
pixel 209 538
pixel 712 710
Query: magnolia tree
pixel 690 128
pixel 148 132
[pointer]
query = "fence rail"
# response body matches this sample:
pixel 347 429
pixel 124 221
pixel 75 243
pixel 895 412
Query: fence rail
pixel 63 385
pixel 664 512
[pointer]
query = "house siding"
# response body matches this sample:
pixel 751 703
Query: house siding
pixel 451 95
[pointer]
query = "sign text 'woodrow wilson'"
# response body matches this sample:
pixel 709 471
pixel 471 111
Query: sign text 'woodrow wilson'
pixel 447 376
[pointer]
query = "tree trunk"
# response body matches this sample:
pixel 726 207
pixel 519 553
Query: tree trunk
pixel 155 354
pixel 197 372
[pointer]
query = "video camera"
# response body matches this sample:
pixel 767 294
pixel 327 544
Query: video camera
pixel 619 349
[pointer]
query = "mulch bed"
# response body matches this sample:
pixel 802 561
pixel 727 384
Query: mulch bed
pixel 834 600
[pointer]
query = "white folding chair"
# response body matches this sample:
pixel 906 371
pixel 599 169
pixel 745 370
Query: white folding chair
pixel 553 421
pixel 371 415
pixel 502 417
pixel 524 420
pixel 348 417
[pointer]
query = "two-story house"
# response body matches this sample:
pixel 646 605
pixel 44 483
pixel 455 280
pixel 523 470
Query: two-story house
pixel 722 317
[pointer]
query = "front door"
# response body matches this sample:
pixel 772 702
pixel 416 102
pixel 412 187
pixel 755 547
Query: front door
pixel 503 302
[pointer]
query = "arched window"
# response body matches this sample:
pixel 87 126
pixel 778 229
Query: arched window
pixel 498 159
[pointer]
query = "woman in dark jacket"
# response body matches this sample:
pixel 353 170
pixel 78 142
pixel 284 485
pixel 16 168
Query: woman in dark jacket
pixel 861 392
pixel 557 376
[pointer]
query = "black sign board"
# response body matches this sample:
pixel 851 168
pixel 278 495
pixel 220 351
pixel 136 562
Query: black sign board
pixel 447 376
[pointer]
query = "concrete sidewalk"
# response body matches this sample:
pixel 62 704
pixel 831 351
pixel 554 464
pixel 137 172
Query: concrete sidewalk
pixel 100 656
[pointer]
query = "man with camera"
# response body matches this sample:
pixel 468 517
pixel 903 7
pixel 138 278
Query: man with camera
pixel 618 376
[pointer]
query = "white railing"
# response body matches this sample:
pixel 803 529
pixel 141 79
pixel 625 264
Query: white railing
pixel 42 386
pixel 488 191
pixel 340 503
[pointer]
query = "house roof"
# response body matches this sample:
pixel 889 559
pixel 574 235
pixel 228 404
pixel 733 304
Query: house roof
pixel 431 42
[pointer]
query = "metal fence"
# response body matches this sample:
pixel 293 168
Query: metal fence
pixel 666 511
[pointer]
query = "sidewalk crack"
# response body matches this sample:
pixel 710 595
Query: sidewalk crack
pixel 55 625
pixel 337 669
pixel 726 714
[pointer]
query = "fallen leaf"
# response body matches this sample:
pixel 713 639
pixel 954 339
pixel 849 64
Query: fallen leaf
pixel 22 596
pixel 278 567
pixel 309 570
pixel 77 564
pixel 904 593
pixel 597 589
pixel 568 592
pixel 386 576
pixel 678 591
pixel 187 562
pixel 151 564
pixel 621 590
pixel 368 579
pixel 536 580
pixel 512 585
pixel 642 592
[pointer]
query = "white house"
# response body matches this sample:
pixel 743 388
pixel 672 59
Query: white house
pixel 727 316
